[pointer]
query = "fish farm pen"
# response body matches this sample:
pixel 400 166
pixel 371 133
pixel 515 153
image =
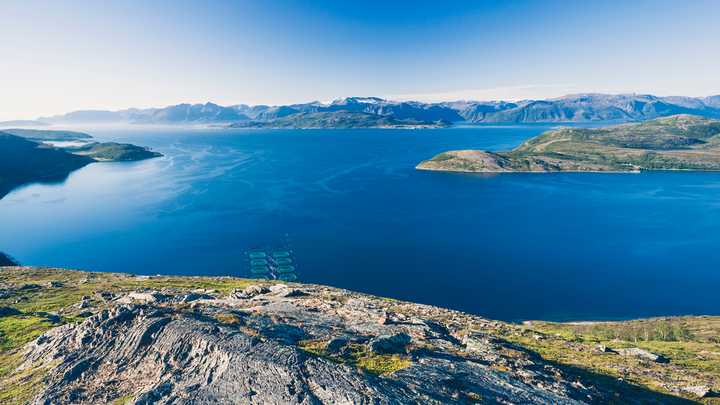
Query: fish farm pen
pixel 272 264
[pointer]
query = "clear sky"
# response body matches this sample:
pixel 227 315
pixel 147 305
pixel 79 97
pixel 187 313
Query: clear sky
pixel 58 56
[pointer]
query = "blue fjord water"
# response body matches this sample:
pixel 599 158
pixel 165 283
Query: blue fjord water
pixel 357 215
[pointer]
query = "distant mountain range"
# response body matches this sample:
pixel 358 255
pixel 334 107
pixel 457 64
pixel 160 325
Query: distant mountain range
pixel 377 112
pixel 22 123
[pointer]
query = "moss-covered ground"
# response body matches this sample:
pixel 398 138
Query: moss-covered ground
pixel 691 344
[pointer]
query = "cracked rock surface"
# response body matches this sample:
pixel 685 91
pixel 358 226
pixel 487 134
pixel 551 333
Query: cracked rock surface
pixel 282 344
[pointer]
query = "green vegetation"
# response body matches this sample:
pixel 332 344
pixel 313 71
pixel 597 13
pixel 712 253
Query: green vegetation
pixel 39 302
pixel 15 331
pixel 228 319
pixel 359 356
pixel 690 343
pixel 21 386
pixel 126 399
pixel 664 330
pixel 382 363
pixel 115 152
pixel 680 142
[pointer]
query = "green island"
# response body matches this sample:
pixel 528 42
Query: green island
pixel 83 337
pixel 28 156
pixel 340 120
pixel 679 142
pixel 113 152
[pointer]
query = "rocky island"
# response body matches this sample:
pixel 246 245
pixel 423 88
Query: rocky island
pixel 80 337
pixel 680 142
pixel 28 156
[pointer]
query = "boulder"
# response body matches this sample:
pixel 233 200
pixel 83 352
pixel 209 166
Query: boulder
pixel 277 288
pixel 292 293
pixel 196 296
pixel 335 345
pixel 54 284
pixel 105 295
pixel 600 348
pixel 393 344
pixel 144 297
pixel 251 291
pixel 284 333
pixel 9 311
pixel 50 316
pixel 700 391
pixel 643 354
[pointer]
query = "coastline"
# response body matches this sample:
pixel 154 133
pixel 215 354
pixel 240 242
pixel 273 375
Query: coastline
pixel 529 171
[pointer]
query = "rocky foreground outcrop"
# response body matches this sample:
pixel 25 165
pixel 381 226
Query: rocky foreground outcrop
pixel 248 347
pixel 112 338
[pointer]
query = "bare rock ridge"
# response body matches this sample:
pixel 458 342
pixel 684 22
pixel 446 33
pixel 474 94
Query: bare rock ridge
pixel 147 347
pixel 113 338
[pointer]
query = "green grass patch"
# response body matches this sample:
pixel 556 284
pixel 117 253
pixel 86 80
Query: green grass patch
pixel 125 399
pixel 16 331
pixel 359 356
pixel 383 364
pixel 18 387
pixel 228 318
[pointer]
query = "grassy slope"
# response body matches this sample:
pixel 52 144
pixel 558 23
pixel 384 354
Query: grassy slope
pixel 672 143
pixel 691 343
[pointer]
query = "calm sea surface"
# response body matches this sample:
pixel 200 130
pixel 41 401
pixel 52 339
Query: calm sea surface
pixel 358 215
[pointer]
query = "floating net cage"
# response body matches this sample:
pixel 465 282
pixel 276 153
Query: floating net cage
pixel 272 264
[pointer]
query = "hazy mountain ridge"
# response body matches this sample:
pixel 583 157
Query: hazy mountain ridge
pixel 571 108
pixel 23 123
pixel 339 120
pixel 48 135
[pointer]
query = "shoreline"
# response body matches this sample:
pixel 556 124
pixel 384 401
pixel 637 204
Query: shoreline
pixel 202 278
pixel 531 171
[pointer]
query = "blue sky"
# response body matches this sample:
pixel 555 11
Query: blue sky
pixel 59 56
